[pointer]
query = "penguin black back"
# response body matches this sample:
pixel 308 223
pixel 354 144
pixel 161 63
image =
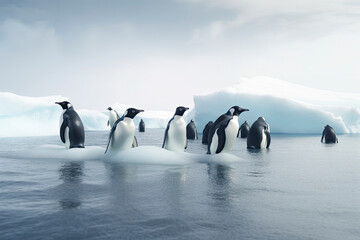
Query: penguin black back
pixel 191 132
pixel 259 134
pixel 206 132
pixel 244 130
pixel 329 135
pixel 141 126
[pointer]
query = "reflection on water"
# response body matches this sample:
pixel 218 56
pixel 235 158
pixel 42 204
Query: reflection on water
pixel 220 181
pixel 71 173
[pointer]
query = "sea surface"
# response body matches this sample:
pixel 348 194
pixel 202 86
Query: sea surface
pixel 297 189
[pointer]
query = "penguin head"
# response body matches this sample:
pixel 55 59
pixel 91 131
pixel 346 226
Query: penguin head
pixel 236 111
pixel 132 112
pixel 64 104
pixel 109 108
pixel 181 110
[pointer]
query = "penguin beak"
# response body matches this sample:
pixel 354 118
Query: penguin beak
pixel 245 109
pixel 187 108
pixel 140 110
pixel 57 103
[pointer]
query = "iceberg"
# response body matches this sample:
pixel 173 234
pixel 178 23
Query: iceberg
pixel 287 107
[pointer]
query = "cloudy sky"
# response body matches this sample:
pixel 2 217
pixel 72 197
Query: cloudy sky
pixel 158 54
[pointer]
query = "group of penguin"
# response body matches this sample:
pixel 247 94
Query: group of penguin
pixel 219 135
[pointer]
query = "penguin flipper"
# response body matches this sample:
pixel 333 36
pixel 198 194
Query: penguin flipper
pixel 221 138
pixel 186 144
pixel 268 139
pixel 62 130
pixel 108 123
pixel 166 133
pixel 135 143
pixel 112 134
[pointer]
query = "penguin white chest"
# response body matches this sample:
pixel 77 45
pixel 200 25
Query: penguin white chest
pixel 123 135
pixel 263 140
pixel 231 133
pixel 176 136
pixel 112 118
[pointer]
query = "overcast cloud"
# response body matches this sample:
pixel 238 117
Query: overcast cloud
pixel 158 54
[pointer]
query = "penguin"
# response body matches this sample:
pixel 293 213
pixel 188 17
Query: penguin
pixel 259 135
pixel 191 132
pixel 113 116
pixel 206 132
pixel 244 130
pixel 223 133
pixel 141 126
pixel 121 136
pixel 175 133
pixel 72 132
pixel 329 135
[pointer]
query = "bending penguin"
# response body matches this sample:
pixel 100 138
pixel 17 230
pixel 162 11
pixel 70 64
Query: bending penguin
pixel 191 132
pixel 175 133
pixel 122 136
pixel 206 130
pixel 329 135
pixel 244 130
pixel 141 126
pixel 259 135
pixel 72 132
pixel 113 116
pixel 223 133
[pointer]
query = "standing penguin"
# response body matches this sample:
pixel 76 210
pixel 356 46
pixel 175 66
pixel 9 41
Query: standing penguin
pixel 191 132
pixel 113 116
pixel 206 130
pixel 72 132
pixel 223 133
pixel 175 133
pixel 141 126
pixel 329 135
pixel 259 135
pixel 122 133
pixel 244 130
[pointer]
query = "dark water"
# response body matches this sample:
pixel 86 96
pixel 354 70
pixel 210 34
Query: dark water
pixel 298 189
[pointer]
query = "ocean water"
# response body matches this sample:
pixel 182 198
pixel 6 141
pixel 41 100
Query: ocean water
pixel 297 189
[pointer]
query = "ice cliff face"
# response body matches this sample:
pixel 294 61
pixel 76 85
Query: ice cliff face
pixel 287 107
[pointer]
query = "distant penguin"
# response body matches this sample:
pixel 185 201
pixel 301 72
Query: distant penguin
pixel 329 135
pixel 175 133
pixel 206 130
pixel 122 133
pixel 113 116
pixel 244 130
pixel 191 132
pixel 223 133
pixel 141 126
pixel 72 132
pixel 259 135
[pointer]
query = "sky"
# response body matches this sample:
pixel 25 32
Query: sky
pixel 157 54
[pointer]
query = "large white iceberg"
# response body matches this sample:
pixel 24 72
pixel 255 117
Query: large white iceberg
pixel 287 107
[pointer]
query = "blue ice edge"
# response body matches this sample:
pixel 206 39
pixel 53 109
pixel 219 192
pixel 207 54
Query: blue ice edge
pixel 139 155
